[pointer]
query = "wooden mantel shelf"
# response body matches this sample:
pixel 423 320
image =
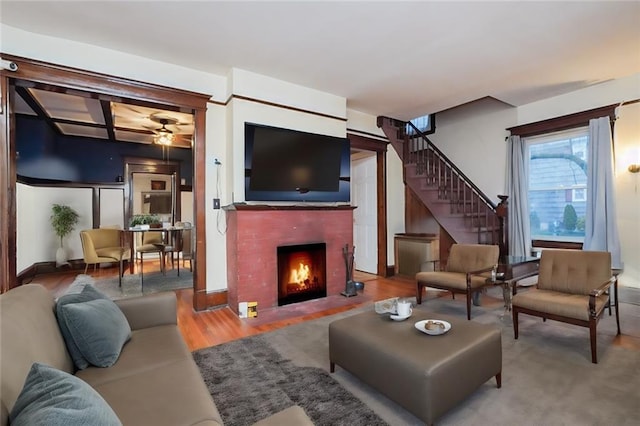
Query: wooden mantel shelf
pixel 264 207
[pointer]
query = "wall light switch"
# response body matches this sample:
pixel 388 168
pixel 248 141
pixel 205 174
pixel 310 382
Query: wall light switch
pixel 216 203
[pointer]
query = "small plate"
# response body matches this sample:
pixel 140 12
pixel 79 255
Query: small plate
pixel 420 326
pixel 401 318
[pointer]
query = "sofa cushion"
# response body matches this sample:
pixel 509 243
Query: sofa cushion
pixel 171 395
pixel 148 349
pixel 53 397
pixel 98 328
pixel 79 292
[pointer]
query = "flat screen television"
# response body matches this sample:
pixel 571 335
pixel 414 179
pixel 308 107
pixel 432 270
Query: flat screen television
pixel 289 165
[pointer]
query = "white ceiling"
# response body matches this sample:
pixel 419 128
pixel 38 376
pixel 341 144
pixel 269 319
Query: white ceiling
pixel 401 59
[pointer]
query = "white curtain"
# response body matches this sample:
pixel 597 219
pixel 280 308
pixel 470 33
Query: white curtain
pixel 517 189
pixel 601 227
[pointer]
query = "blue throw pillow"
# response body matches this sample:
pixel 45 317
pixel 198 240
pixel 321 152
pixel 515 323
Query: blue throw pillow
pixel 77 293
pixel 99 329
pixel 54 398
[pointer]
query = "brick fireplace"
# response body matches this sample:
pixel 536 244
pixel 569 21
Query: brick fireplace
pixel 254 233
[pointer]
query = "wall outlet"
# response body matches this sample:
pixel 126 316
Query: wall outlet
pixel 216 203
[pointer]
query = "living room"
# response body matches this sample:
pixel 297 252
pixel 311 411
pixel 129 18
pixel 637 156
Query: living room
pixel 239 95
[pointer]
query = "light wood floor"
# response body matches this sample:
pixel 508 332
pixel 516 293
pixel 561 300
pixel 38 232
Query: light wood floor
pixel 216 326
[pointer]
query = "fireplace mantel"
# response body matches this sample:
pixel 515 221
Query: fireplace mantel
pixel 263 207
pixel 254 233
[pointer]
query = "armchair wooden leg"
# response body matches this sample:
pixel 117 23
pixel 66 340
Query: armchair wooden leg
pixel 514 312
pixel 120 273
pixel 592 337
pixel 419 288
pixel 469 306
pixel 616 307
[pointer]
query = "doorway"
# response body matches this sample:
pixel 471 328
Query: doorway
pixel 103 87
pixel 365 217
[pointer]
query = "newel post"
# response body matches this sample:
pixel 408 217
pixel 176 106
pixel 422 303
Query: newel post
pixel 502 211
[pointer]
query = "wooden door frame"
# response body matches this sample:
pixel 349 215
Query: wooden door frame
pixel 123 90
pixel 380 148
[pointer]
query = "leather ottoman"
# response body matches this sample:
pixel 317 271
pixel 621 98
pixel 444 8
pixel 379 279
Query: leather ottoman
pixel 427 375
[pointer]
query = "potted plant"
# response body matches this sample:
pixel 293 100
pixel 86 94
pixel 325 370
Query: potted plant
pixel 145 220
pixel 63 220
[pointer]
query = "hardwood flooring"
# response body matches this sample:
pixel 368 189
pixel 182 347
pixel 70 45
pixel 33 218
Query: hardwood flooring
pixel 216 326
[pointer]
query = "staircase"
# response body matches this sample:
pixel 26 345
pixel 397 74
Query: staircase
pixel 460 208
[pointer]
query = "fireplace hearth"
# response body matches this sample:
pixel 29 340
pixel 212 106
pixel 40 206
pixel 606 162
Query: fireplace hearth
pixel 302 273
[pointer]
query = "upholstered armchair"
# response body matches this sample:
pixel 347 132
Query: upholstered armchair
pixel 463 273
pixel 104 245
pixel 573 287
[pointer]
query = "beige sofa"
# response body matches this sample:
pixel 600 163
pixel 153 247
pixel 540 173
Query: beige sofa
pixel 154 381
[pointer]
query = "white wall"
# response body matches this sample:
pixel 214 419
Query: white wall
pixel 395 201
pixel 36 240
pixel 627 140
pixel 473 137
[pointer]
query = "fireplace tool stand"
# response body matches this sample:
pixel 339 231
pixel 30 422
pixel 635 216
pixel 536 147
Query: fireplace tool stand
pixel 352 287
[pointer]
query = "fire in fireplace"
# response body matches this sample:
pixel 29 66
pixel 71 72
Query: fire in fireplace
pixel 302 273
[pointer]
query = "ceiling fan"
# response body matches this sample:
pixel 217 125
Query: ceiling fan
pixel 163 136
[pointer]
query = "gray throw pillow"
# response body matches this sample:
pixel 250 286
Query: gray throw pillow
pixel 87 293
pixel 99 330
pixel 54 398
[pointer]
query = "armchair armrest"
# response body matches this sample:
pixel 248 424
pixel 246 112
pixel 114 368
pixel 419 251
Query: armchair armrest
pixel 477 272
pixel 150 310
pixel 599 291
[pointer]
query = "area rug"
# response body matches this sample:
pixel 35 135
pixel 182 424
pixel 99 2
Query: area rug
pixel 154 282
pixel 547 376
pixel 249 380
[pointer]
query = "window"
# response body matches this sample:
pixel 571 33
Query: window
pixel 558 185
pixel 426 124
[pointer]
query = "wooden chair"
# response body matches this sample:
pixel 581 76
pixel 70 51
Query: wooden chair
pixel 573 287
pixel 104 245
pixel 462 275
pixel 187 248
pixel 151 242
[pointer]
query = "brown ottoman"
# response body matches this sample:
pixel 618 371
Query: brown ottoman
pixel 427 375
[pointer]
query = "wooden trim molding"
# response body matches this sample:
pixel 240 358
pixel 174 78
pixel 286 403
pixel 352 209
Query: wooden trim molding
pixel 120 87
pixel 216 299
pixel 117 88
pixel 565 122
pixel 367 144
pixel 556 244
pixel 274 104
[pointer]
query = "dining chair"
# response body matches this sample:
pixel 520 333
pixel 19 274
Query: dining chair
pixel 152 242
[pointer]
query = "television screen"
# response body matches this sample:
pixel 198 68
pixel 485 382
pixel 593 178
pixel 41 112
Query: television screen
pixel 288 165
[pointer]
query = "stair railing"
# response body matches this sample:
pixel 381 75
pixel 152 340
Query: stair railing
pixel 464 197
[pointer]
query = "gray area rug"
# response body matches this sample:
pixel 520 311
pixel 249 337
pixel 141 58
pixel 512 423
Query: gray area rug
pixel 154 282
pixel 249 380
pixel 547 377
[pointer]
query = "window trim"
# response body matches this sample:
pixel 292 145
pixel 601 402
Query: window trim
pixel 565 122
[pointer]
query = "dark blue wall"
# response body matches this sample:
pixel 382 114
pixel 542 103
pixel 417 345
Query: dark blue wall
pixel 43 154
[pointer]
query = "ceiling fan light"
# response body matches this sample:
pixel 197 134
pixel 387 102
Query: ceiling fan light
pixel 164 136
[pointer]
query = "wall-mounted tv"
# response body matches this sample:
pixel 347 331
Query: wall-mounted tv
pixel 289 165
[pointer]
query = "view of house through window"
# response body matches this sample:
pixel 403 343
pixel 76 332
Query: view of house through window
pixel 558 185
